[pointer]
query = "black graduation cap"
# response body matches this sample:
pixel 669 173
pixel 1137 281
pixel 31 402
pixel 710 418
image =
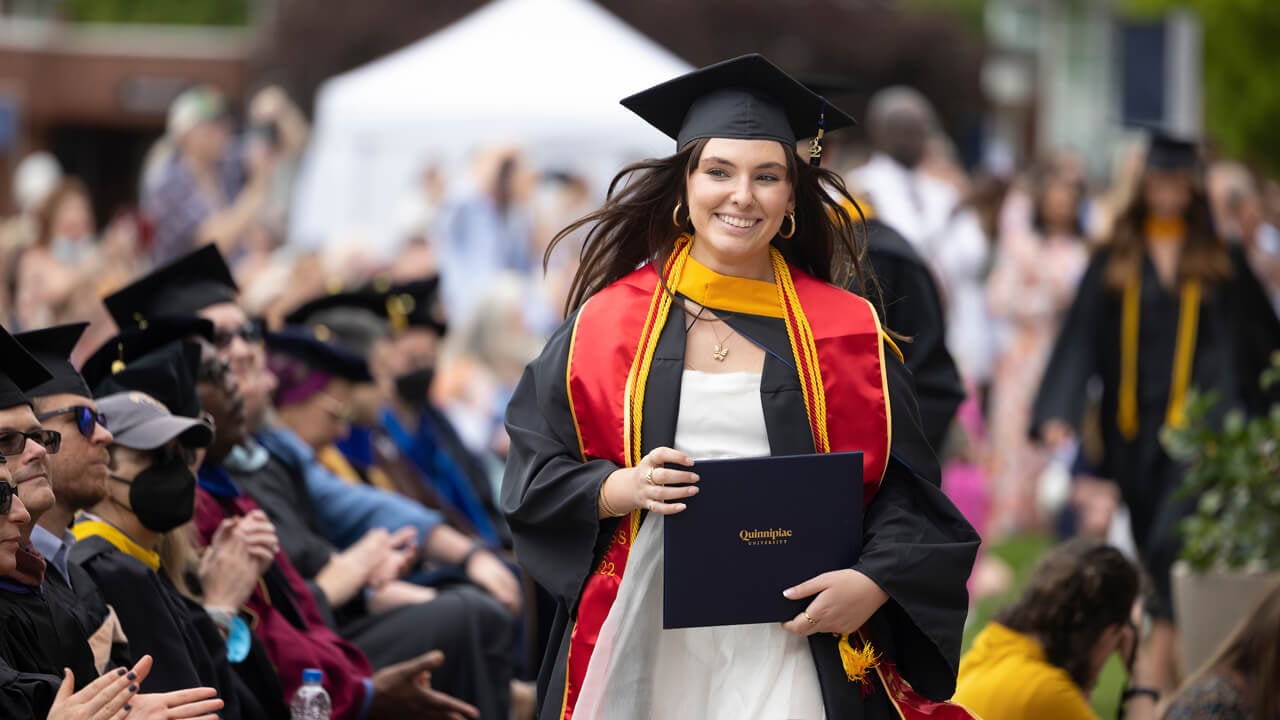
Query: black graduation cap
pixel 122 350
pixel 411 304
pixel 168 374
pixel 19 371
pixel 1166 151
pixel 183 287
pixel 746 98
pixel 303 345
pixel 52 346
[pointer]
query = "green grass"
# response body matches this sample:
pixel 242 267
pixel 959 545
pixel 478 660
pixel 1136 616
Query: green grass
pixel 1021 553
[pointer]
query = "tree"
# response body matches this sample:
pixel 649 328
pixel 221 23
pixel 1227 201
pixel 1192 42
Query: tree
pixel 1241 53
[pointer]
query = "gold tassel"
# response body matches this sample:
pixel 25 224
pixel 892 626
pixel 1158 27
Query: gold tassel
pixel 857 662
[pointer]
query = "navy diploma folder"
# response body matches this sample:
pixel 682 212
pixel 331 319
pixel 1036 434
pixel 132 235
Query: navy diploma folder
pixel 757 527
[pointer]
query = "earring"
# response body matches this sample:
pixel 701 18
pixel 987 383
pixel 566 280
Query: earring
pixel 675 215
pixel 788 235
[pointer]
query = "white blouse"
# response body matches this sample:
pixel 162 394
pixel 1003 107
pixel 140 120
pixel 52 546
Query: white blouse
pixel 740 672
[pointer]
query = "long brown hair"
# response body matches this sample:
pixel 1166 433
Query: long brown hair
pixel 1203 256
pixel 1079 589
pixel 635 225
pixel 1252 651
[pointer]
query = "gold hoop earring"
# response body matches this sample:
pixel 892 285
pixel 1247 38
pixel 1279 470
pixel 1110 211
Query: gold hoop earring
pixel 675 215
pixel 788 235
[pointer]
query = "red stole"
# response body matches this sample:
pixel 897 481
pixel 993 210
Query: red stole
pixel 845 352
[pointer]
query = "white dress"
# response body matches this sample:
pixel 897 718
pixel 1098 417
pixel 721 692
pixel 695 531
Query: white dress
pixel 638 670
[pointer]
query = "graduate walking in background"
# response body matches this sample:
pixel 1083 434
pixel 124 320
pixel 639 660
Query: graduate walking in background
pixel 1165 306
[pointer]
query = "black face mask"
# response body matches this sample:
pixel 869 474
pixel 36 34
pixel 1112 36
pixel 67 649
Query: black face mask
pixel 163 496
pixel 413 386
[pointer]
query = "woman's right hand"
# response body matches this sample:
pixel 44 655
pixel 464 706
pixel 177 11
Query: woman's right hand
pixel 649 485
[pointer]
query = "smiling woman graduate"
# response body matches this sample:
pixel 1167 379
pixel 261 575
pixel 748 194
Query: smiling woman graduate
pixel 731 339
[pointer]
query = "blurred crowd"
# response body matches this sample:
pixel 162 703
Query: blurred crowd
pixel 347 494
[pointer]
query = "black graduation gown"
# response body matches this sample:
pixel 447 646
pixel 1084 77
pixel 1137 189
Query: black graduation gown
pixel 473 466
pixel 26 696
pixel 911 305
pixel 917 546
pixel 467 624
pixel 37 636
pixel 184 642
pixel 83 597
pixel 1236 333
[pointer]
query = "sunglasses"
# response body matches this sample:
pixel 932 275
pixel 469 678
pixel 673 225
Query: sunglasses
pixel 13 442
pixel 249 332
pixel 87 419
pixel 7 492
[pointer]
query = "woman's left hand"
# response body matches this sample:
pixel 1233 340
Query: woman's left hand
pixel 845 600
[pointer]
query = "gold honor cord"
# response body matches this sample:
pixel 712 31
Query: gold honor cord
pixel 1184 355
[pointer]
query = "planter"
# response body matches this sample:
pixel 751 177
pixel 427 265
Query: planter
pixel 1208 605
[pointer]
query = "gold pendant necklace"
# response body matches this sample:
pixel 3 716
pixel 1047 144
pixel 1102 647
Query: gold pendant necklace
pixel 721 350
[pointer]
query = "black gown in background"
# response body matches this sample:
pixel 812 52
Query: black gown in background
pixel 26 696
pixel 1236 333
pixel 39 637
pixel 918 547
pixel 911 305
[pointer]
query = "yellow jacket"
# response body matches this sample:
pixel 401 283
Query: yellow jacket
pixel 1005 676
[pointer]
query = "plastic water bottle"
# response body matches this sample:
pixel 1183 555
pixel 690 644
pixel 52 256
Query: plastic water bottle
pixel 311 702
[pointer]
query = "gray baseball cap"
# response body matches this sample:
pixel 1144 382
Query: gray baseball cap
pixel 141 422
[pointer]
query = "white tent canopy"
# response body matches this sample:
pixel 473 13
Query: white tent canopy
pixel 545 74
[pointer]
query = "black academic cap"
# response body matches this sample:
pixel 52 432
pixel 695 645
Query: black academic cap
pixel 745 98
pixel 366 299
pixel 20 372
pixel 168 374
pixel 1166 151
pixel 414 304
pixel 52 346
pixel 183 287
pixel 303 345
pixel 122 350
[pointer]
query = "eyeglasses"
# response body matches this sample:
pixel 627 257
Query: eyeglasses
pixel 7 492
pixel 87 419
pixel 249 332
pixel 335 408
pixel 13 442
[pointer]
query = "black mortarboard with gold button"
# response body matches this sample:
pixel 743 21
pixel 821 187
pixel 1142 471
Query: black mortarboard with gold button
pixel 52 346
pixel 183 287
pixel 20 371
pixel 1166 151
pixel 317 353
pixel 746 98
pixel 168 374
pixel 411 304
pixel 122 350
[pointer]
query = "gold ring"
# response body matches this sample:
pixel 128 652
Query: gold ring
pixel 648 477
pixel 809 617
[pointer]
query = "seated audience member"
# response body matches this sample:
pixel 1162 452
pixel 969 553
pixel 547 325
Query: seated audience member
pixel 150 492
pixel 1241 681
pixel 1041 656
pixel 35 635
pixel 78 476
